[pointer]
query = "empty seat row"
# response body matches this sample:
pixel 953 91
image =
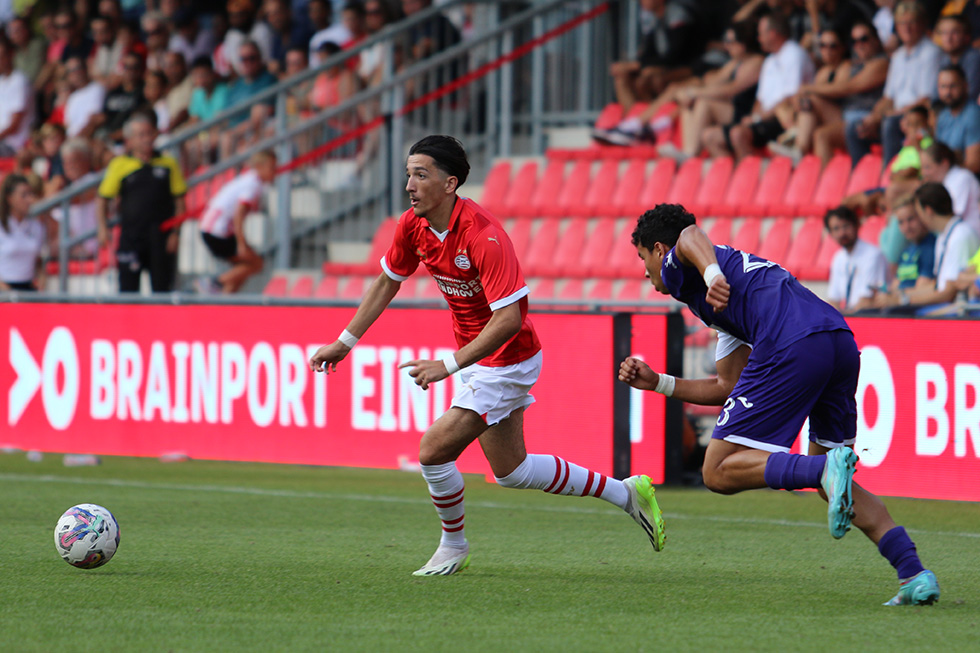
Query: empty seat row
pixel 717 187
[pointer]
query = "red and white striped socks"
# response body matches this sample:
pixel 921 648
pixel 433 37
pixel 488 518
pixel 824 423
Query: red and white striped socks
pixel 446 489
pixel 557 476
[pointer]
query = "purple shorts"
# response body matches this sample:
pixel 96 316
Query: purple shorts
pixel 815 377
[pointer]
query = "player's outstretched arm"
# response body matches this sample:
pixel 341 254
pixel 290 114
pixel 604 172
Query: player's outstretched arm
pixel 376 300
pixel 711 391
pixel 503 325
pixel 695 248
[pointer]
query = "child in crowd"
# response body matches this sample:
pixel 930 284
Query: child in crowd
pixel 223 224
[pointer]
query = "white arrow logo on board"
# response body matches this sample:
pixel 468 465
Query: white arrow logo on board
pixel 28 377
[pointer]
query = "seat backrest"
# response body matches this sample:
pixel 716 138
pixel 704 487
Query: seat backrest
pixel 601 186
pixel 542 247
pixel 833 182
pixel 686 183
pixel 746 237
pixel 657 186
pixel 626 191
pixel 276 287
pixel 327 288
pixel 772 186
pixel 571 197
pixel 714 184
pixel 775 243
pixel 302 288
pixel 569 248
pixel 720 231
pixel 803 250
pixel 495 187
pixel 865 175
pixel 744 182
pixel 802 183
pixel 598 246
pixel 521 188
pixel 546 192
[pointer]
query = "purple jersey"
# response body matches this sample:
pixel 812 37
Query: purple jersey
pixel 768 308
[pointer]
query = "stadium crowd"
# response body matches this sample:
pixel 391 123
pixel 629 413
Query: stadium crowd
pixel 801 77
pixel 73 75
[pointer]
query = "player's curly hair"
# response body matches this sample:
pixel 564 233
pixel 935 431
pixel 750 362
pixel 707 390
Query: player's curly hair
pixel 448 154
pixel 662 224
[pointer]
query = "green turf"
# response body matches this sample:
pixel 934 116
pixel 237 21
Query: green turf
pixel 224 556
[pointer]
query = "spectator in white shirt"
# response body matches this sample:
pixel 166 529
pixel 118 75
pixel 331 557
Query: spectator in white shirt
pixel 858 269
pixel 955 244
pixel 939 165
pixel 84 103
pixel 22 237
pixel 16 103
pixel 783 71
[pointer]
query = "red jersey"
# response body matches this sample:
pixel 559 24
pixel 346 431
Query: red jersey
pixel 475 266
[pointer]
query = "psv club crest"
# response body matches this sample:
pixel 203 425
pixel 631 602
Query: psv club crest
pixel 462 261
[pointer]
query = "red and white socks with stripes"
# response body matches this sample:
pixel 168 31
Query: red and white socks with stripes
pixel 539 472
pixel 557 476
pixel 446 489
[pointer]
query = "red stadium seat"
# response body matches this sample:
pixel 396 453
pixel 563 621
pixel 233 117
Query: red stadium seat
pixel 631 290
pixel 622 261
pixel 741 189
pixel 610 116
pixel 571 196
pixel 865 175
pixel 573 289
pixel 803 250
pixel 521 188
pixel 655 188
pixel 354 288
pixel 746 237
pixel 686 183
pixel 545 192
pixel 830 188
pixel 819 270
pixel 277 286
pixel 626 191
pixel 379 245
pixel 542 248
pixel 713 186
pixel 520 236
pixel 720 232
pixel 327 288
pixel 601 290
pixel 495 187
pixel 302 288
pixel 772 187
pixel 542 290
pixel 600 189
pixel 776 242
pixel 799 190
pixel 871 228
pixel 597 249
pixel 568 250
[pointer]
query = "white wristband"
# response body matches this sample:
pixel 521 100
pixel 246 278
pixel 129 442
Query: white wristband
pixel 450 362
pixel 710 273
pixel 348 338
pixel 665 385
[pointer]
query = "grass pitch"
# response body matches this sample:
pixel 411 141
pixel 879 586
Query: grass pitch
pixel 225 556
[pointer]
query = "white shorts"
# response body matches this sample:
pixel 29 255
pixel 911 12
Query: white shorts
pixel 494 393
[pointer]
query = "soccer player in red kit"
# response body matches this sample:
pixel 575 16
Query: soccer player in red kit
pixel 467 252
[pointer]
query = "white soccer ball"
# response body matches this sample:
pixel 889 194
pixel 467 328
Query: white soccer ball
pixel 86 536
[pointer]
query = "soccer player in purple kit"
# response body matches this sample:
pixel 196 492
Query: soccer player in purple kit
pixel 783 355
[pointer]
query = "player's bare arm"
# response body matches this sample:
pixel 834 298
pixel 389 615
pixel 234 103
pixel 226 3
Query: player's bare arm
pixel 695 248
pixel 504 324
pixel 379 295
pixel 710 391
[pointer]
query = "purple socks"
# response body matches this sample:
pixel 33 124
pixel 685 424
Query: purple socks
pixel 788 471
pixel 899 549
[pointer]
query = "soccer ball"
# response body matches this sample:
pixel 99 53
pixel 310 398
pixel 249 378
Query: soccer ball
pixel 86 536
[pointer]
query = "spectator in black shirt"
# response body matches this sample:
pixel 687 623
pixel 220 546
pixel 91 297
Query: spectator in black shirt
pixel 123 101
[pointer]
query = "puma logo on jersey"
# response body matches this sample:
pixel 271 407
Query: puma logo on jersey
pixel 493 239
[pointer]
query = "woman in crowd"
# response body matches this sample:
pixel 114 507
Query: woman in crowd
pixel 22 237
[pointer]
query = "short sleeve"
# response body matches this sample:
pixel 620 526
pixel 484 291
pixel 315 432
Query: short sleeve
pixel 253 193
pixel 111 181
pixel 178 187
pixel 401 260
pixel 500 272
pixel 679 278
pixel 727 344
pixel 837 285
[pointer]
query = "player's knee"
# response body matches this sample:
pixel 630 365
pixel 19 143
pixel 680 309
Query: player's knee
pixel 716 480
